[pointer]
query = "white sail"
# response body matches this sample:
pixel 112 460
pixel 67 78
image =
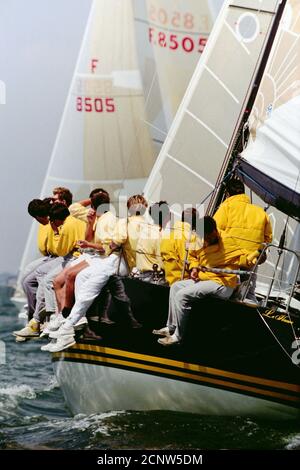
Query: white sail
pixel 103 139
pixel 171 35
pixel 200 139
pixel 272 158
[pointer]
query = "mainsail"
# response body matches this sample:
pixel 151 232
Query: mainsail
pixel 103 139
pixel 201 137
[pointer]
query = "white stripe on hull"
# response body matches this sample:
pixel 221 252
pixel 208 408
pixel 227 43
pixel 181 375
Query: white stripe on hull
pixel 90 388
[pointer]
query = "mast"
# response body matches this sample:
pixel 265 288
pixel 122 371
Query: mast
pixel 237 145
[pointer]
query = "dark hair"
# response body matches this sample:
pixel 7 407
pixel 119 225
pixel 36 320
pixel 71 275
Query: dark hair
pixel 137 205
pixel 234 187
pixel 99 198
pixel 38 208
pixel 160 212
pixel 205 226
pixel 210 225
pixel 190 215
pixel 48 202
pixel 97 190
pixel 64 194
pixel 58 212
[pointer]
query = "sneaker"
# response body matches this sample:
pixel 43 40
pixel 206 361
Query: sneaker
pixel 48 346
pixel 80 324
pixel 23 315
pixel 168 340
pixel 91 335
pixel 20 339
pixel 64 330
pixel 45 331
pixel 107 321
pixel 63 342
pixel 31 330
pixel 162 332
pixel 55 322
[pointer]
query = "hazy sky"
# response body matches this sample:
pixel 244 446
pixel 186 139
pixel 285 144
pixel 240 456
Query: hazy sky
pixel 39 44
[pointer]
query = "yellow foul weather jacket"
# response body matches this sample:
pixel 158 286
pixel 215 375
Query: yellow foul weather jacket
pixel 226 254
pixel 247 223
pixel 173 247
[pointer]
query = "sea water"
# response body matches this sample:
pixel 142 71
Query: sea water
pixel 33 414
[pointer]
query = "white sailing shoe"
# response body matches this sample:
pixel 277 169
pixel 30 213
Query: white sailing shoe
pixel 63 342
pixel 64 330
pixel 20 339
pixel 55 322
pixel 80 324
pixel 23 315
pixel 168 341
pixel 162 332
pixel 48 346
pixel 24 312
pixel 31 330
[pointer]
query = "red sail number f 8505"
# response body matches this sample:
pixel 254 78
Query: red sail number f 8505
pixel 96 105
pixel 173 42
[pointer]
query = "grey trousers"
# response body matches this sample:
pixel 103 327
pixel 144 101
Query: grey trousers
pixel 45 293
pixel 45 296
pixel 182 295
pixel 30 284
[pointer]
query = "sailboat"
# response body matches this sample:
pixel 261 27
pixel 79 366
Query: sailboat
pixel 115 117
pixel 238 359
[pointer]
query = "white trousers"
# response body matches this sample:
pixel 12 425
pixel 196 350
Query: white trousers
pixel 90 281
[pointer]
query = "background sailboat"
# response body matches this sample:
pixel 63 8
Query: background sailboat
pixel 103 139
pixel 172 36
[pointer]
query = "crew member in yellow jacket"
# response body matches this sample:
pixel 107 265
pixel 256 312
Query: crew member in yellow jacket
pixel 127 232
pixel 247 223
pixel 64 231
pixel 174 246
pixel 217 251
pixel 79 209
pixel 149 243
pixel 100 227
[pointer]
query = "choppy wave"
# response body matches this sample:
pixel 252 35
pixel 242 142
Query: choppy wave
pixel 13 392
pixel 293 443
pixel 33 414
pixel 52 384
